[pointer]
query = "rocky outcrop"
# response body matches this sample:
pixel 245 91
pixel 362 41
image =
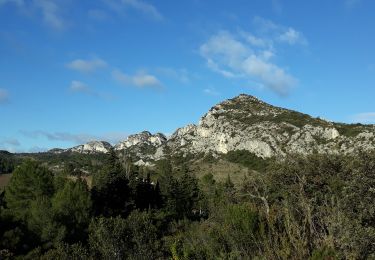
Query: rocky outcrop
pixel 247 123
pixel 143 138
pixel 92 147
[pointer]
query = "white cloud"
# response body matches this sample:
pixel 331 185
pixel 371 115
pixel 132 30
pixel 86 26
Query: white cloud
pixel 81 87
pixel 86 66
pixel 141 79
pixel 81 138
pixel 121 6
pixel 181 75
pixel 4 96
pixel 78 86
pixel 10 141
pixel 232 57
pixel 265 25
pixel 49 9
pixel 292 37
pixel 16 2
pixel 211 92
pixel 144 7
pixel 255 41
pixel 60 136
pixel 280 33
pixel 366 118
pixel 51 13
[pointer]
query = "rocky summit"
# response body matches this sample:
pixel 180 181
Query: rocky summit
pixel 247 123
pixel 92 147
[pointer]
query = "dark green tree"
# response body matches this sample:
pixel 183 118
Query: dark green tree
pixel 72 208
pixel 133 238
pixel 109 238
pixel 111 194
pixel 29 181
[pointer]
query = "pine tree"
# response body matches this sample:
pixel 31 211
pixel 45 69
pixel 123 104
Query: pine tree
pixel 29 182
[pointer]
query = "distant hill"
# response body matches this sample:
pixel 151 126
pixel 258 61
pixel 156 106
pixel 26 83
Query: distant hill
pixel 244 123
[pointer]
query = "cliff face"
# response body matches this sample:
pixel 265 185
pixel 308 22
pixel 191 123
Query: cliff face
pixel 92 147
pixel 143 138
pixel 246 123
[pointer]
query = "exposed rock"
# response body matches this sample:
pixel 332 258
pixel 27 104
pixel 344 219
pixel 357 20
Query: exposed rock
pixel 56 150
pixel 143 138
pixel 246 123
pixel 92 147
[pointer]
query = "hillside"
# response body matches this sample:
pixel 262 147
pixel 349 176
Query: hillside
pixel 245 123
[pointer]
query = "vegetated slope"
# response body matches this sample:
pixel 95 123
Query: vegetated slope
pixel 243 123
pixel 247 123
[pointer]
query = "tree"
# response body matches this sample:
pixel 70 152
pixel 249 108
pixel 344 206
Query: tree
pixel 72 208
pixel 109 238
pixel 180 195
pixel 111 194
pixel 65 251
pixel 133 238
pixel 42 222
pixel 29 182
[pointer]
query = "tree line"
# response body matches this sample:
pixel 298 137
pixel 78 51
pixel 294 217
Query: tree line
pixel 304 207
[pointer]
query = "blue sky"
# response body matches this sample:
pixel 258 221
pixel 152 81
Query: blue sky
pixel 73 71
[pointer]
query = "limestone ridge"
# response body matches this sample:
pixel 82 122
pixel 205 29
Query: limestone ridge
pixel 143 138
pixel 91 147
pixel 140 145
pixel 245 123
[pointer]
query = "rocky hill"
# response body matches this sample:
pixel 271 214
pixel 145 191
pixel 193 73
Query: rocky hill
pixel 247 123
pixel 92 147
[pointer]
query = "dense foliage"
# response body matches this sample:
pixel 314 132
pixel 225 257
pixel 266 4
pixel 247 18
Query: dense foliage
pixel 7 162
pixel 315 207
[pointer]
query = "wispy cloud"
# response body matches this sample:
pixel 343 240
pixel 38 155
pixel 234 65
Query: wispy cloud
pixel 140 79
pixel 4 96
pixel 349 4
pixel 249 58
pixel 277 6
pixel 365 118
pixel 81 138
pixel 211 92
pixel 146 8
pixel 278 33
pixel 181 75
pixel 50 11
pixel 16 2
pixel 10 141
pixel 292 37
pixel 87 66
pixel 77 86
pixel 97 14
pixel 60 136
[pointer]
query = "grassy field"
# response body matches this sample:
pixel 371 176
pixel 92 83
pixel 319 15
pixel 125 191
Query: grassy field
pixel 221 169
pixel 4 180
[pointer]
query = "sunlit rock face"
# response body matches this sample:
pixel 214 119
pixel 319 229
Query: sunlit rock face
pixel 92 147
pixel 244 123
pixel 247 123
pixel 143 138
